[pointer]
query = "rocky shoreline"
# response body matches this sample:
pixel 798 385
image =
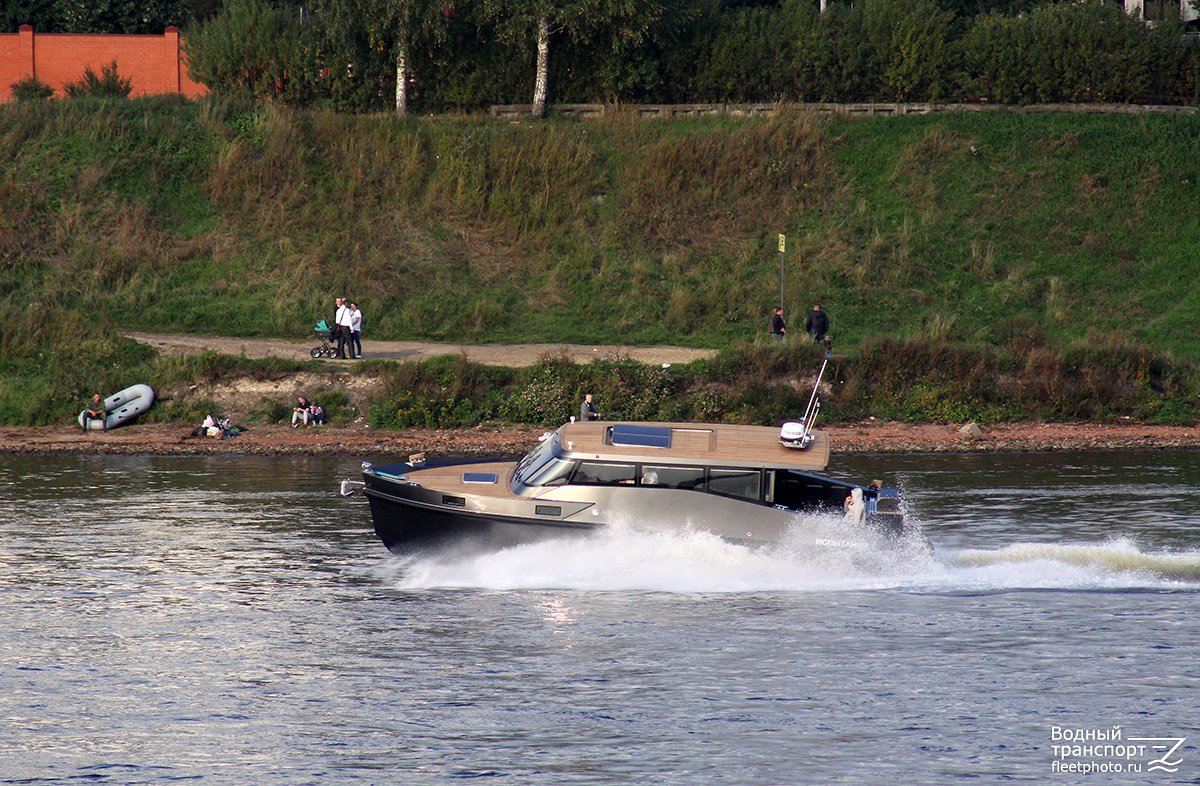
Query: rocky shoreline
pixel 277 440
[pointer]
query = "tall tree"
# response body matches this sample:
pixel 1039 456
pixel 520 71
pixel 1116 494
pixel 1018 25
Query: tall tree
pixel 404 29
pixel 576 20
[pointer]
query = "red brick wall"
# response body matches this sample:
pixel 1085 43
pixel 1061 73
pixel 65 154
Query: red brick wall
pixel 153 63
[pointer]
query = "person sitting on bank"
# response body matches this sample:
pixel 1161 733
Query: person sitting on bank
pixel 302 412
pixel 587 410
pixel 96 411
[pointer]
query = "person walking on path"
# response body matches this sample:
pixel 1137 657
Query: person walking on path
pixel 778 329
pixel 587 410
pixel 356 328
pixel 817 324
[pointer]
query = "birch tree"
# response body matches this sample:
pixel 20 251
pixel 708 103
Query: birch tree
pixel 397 27
pixel 575 20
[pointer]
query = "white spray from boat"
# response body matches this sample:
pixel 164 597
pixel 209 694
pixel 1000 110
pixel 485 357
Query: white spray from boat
pixel 624 558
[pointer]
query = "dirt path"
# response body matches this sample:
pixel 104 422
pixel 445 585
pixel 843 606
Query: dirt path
pixel 514 355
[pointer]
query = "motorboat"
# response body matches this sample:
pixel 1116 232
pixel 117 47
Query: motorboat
pixel 746 484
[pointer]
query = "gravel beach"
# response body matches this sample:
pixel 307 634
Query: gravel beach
pixel 277 440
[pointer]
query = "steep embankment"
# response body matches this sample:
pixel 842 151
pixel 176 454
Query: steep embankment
pixel 964 258
pixel 246 221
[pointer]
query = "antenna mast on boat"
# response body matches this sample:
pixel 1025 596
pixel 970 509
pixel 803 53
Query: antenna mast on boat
pixel 798 435
pixel 811 410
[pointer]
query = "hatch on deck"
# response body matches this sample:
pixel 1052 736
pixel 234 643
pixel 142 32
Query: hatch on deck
pixel 641 436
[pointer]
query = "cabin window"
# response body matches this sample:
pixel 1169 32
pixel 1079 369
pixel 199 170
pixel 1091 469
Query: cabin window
pixel 743 483
pixel 799 491
pixel 673 477
pixel 599 473
pixel 553 473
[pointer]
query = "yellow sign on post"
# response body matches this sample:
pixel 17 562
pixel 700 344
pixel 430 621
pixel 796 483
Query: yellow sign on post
pixel 782 242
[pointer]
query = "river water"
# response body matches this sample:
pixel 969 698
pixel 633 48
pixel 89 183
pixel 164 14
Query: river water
pixel 234 621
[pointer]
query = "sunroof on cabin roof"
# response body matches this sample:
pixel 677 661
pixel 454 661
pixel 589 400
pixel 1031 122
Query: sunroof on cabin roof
pixel 641 436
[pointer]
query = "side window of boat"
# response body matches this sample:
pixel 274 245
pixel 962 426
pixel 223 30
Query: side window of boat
pixel 597 473
pixel 744 483
pixel 673 477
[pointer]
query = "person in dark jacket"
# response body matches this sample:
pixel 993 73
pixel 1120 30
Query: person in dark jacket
pixel 587 410
pixel 817 324
pixel 778 328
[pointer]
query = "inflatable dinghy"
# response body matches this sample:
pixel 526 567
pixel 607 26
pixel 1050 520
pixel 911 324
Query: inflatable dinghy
pixel 121 408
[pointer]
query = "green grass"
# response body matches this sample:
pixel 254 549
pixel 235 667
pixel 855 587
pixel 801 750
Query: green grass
pixel 1060 231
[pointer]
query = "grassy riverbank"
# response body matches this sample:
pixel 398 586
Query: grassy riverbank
pixel 977 265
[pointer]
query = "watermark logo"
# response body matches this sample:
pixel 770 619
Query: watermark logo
pixel 1087 751
pixel 1163 762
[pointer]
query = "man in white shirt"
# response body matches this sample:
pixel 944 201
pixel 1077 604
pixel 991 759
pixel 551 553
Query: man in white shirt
pixel 344 339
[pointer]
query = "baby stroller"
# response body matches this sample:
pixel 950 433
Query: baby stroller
pixel 325 333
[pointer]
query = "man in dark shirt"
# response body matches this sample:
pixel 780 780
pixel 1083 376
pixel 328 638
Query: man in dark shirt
pixel 817 324
pixel 778 328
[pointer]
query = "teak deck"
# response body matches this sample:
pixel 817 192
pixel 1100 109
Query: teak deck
pixel 704 443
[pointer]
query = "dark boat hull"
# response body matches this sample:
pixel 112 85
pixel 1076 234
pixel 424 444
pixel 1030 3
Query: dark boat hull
pixel 406 524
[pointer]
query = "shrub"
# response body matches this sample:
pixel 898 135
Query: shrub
pixel 109 85
pixel 251 49
pixel 31 89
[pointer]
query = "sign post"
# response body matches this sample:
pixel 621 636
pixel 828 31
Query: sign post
pixel 782 247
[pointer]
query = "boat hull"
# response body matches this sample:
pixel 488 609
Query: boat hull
pixel 405 523
pixel 411 517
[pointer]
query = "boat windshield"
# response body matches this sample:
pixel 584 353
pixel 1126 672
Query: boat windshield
pixel 554 472
pixel 534 462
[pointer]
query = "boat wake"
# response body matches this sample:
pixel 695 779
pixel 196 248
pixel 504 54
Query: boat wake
pixel 622 558
pixel 1110 560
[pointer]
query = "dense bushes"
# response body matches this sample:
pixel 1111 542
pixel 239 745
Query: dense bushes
pixel 896 50
pixel 912 381
pixel 679 51
pixel 1069 52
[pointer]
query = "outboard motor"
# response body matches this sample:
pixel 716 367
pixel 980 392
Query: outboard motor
pixel 888 515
